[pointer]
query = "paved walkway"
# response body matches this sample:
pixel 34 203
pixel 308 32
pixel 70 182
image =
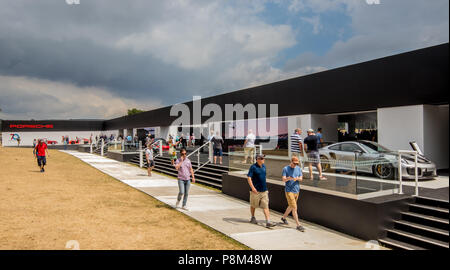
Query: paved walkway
pixel 224 213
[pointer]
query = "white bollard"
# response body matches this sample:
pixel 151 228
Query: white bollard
pixel 141 158
pixel 101 150
pixel 90 148
pixel 160 148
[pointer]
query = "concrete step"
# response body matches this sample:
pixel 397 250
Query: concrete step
pixel 200 179
pixel 420 229
pixel 395 244
pixel 415 239
pixel 429 210
pixel 432 202
pixel 429 218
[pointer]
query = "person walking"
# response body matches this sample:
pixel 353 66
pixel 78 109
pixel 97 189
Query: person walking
pixel 40 150
pixel 150 159
pixel 172 150
pixel 183 141
pixel 297 144
pixel 249 147
pixel 312 151
pixel 193 140
pixel 259 195
pixel 65 143
pixel 291 176
pixel 211 135
pixel 319 137
pixel 217 142
pixel 148 139
pixel 177 139
pixel 184 167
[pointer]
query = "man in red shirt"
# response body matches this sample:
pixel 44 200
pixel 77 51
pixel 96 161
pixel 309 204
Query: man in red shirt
pixel 40 150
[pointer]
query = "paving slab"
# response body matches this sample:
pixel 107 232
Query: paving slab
pixel 224 213
pixel 150 183
pixel 291 239
pixel 170 191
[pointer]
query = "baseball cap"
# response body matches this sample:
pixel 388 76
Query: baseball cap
pixel 310 130
pixel 260 156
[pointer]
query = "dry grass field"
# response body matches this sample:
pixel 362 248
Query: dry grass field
pixel 73 201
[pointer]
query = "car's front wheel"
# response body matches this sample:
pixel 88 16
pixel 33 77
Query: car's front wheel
pixel 384 170
pixel 325 163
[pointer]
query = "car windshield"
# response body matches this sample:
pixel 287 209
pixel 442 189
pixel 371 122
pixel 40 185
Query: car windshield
pixel 374 147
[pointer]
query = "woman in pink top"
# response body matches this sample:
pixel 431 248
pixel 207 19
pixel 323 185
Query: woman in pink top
pixel 184 168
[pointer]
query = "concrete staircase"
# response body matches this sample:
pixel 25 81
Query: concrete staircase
pixel 210 174
pixel 425 225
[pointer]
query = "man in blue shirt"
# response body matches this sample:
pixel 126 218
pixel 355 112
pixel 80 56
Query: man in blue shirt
pixel 319 137
pixel 259 195
pixel 292 174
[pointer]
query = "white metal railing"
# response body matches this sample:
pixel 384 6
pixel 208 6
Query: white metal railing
pixel 209 144
pixel 416 173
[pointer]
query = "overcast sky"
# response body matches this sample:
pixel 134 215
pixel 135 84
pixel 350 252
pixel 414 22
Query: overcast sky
pixel 101 57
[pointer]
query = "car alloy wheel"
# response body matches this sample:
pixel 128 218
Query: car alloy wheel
pixel 384 171
pixel 325 164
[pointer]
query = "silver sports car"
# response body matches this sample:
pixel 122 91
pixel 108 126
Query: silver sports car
pixel 375 159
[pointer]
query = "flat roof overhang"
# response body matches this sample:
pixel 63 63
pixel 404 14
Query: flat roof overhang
pixel 411 78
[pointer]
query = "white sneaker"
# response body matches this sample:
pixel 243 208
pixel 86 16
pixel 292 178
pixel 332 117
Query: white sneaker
pixel 185 208
pixel 177 204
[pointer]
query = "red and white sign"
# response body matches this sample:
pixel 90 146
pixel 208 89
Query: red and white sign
pixel 30 126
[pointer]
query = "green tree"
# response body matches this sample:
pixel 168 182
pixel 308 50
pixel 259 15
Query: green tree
pixel 134 111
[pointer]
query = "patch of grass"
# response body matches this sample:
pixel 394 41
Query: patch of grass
pixel 74 201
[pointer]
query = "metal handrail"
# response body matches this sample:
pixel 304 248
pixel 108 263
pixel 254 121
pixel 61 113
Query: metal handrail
pixel 198 149
pixel 198 156
pixel 160 146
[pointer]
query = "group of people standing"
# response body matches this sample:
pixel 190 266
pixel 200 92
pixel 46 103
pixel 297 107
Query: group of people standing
pixel 309 148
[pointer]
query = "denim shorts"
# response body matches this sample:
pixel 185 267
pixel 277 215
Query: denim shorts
pixel 41 160
pixel 151 163
pixel 218 152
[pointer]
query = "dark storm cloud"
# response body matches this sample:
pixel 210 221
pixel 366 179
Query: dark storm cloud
pixel 77 44
pixel 84 63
